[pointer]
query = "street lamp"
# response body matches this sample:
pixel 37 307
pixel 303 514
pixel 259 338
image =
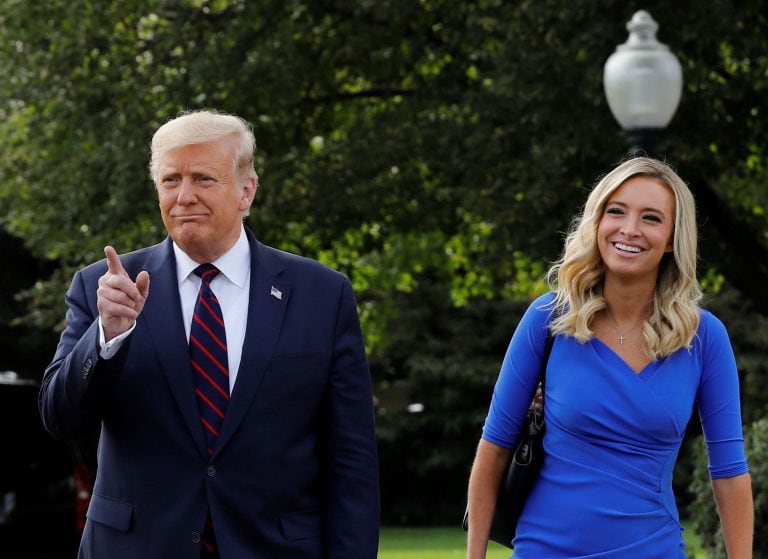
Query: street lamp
pixel 643 83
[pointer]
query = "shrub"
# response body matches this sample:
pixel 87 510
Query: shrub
pixel 446 360
pixel 703 511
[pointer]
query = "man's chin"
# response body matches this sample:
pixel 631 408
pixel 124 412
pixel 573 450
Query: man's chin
pixel 187 235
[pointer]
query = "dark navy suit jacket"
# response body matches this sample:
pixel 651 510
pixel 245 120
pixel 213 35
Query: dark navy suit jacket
pixel 294 472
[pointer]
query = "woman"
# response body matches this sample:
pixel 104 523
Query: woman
pixel 632 354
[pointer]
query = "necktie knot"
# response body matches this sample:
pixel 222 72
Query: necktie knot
pixel 207 272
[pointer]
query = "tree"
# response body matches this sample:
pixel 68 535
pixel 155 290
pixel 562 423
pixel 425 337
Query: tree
pixel 433 150
pixel 705 519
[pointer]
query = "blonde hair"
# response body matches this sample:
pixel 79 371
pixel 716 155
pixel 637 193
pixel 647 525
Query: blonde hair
pixel 577 277
pixel 202 127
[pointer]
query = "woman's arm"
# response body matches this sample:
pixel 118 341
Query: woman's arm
pixel 484 480
pixel 733 496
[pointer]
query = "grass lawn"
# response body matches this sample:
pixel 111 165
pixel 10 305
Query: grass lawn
pixel 440 543
pixel 430 543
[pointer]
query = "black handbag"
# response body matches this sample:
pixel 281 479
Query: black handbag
pixel 524 465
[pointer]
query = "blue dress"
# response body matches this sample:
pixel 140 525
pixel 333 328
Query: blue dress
pixel 612 438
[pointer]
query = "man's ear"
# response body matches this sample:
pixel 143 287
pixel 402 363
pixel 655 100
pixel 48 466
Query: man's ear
pixel 248 192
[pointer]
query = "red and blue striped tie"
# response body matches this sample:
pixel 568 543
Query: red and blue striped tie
pixel 210 370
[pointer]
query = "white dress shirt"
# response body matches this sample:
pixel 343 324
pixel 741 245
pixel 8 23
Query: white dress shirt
pixel 231 287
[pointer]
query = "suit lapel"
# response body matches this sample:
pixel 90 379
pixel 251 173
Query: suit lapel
pixel 162 318
pixel 268 301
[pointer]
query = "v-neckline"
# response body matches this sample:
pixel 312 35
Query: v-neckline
pixel 603 348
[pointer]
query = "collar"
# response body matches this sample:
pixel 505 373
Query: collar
pixel 235 264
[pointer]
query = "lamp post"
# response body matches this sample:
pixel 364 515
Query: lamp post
pixel 643 82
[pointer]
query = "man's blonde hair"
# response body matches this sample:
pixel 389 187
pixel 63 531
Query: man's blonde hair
pixel 201 127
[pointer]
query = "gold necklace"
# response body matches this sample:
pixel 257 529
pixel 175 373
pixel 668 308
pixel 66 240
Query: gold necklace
pixel 622 335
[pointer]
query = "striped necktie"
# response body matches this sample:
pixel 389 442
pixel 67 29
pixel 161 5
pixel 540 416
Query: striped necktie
pixel 210 370
pixel 208 354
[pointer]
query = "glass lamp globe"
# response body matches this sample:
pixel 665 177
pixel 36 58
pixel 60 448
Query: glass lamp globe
pixel 643 79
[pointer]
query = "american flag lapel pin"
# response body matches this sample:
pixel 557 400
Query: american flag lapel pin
pixel 276 293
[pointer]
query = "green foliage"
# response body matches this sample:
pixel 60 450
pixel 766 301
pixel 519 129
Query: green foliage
pixel 385 129
pixel 705 520
pixel 396 137
pixel 433 150
pixel 447 360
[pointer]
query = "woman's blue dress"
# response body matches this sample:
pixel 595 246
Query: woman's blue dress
pixel 612 438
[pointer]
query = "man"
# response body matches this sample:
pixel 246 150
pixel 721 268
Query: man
pixel 234 401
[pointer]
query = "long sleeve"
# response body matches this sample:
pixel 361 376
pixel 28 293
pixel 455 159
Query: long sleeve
pixel 352 486
pixel 718 399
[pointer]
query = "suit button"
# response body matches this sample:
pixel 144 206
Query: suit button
pixel 211 471
pixel 87 366
pixel 195 537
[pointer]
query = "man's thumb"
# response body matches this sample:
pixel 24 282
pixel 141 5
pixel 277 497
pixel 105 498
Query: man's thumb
pixel 142 283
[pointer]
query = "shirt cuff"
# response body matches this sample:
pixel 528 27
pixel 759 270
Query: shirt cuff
pixel 108 349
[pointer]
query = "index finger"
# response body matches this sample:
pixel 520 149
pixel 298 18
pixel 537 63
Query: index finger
pixel 113 261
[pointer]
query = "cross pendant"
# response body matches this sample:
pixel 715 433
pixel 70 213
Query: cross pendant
pixel 621 339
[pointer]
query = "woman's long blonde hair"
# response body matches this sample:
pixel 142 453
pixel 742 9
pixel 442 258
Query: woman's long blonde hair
pixel 577 278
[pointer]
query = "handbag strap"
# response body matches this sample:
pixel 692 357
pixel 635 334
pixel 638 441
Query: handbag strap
pixel 548 343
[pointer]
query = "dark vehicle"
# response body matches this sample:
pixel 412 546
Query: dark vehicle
pixel 45 484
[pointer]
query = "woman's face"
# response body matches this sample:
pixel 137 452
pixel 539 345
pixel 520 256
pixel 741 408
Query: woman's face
pixel 636 228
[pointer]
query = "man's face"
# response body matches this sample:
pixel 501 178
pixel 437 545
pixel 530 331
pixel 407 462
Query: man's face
pixel 202 198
